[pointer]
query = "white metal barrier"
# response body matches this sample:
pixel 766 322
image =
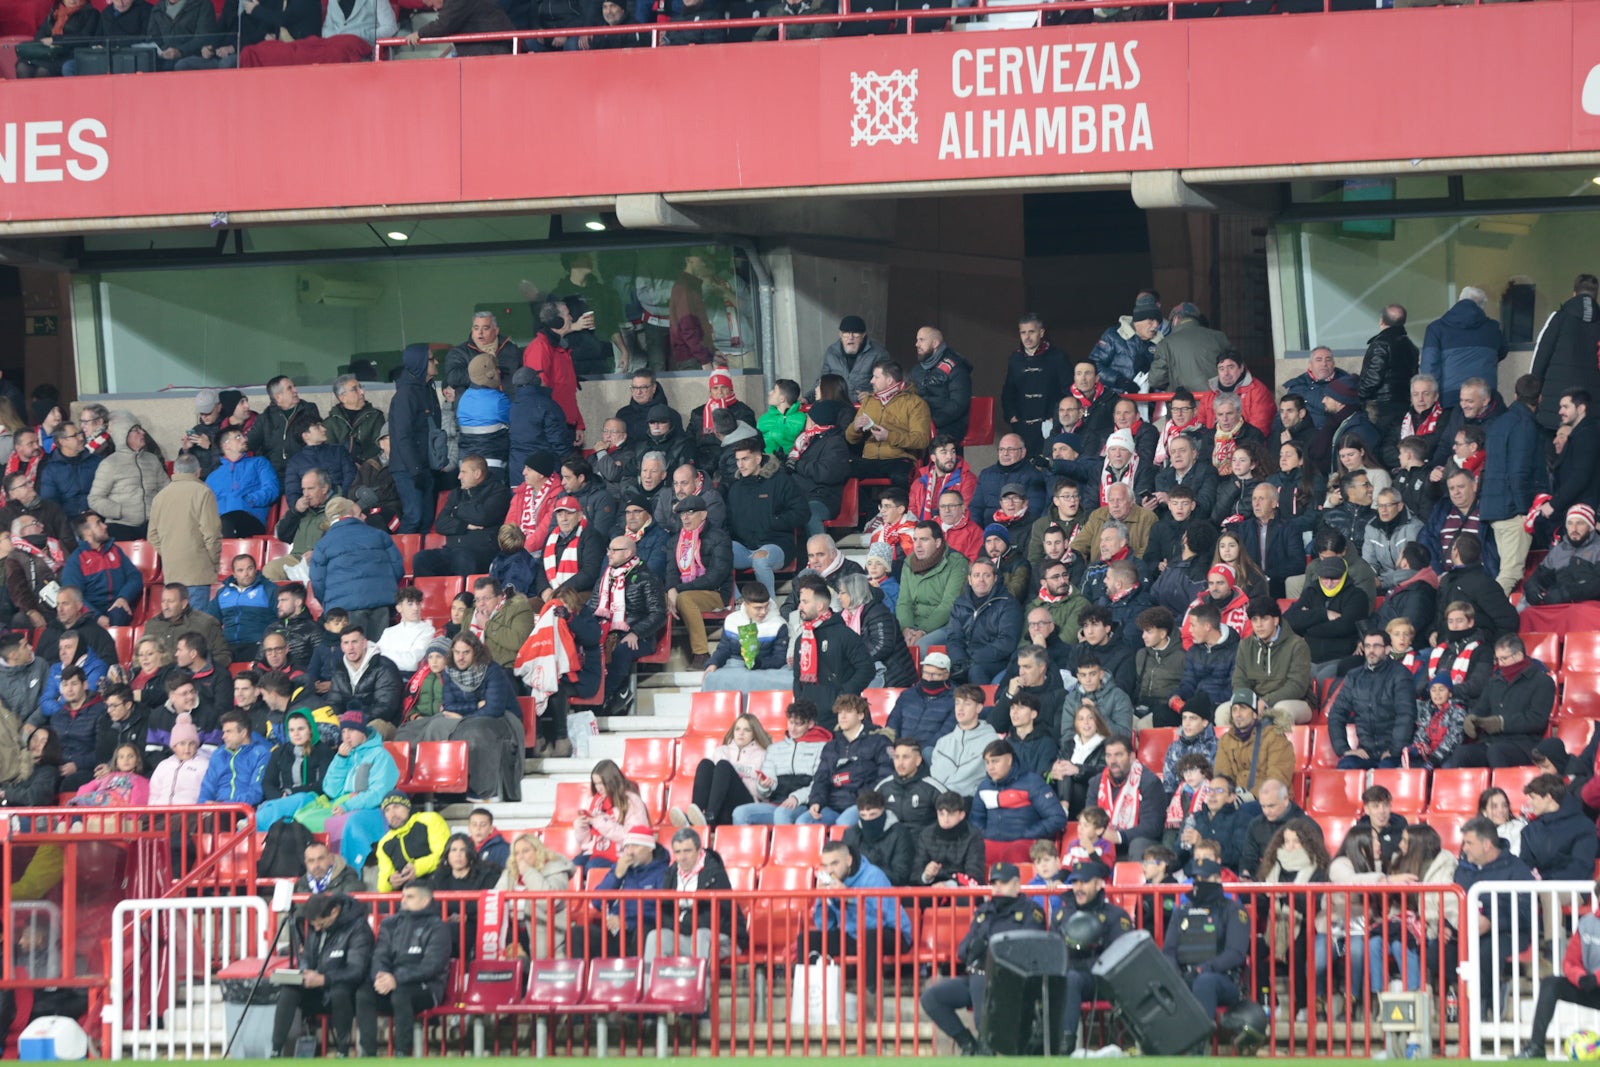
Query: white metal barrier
pixel 1532 918
pixel 165 1000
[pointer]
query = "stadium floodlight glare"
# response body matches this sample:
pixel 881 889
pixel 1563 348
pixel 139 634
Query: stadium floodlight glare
pixel 397 235
pixel 595 225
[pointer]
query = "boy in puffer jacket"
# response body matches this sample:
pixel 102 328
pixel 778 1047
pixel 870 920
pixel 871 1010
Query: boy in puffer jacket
pixel 484 417
pixel 1579 983
pixel 753 652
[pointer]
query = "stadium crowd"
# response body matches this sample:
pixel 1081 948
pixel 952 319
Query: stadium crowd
pixel 1350 554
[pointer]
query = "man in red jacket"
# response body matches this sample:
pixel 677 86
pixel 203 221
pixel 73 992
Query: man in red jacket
pixel 548 355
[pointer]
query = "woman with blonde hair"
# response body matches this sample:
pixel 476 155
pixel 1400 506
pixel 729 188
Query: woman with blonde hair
pixel 614 808
pixel 534 867
pixel 729 777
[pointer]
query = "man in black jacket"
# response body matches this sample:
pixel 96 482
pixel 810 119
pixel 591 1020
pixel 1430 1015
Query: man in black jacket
pixel 409 966
pixel 413 417
pixel 1512 713
pixel 1276 810
pixel 1387 367
pixel 632 604
pixel 1136 819
pixel 470 522
pixel 908 794
pixel 830 659
pixel 885 841
pixel 1378 698
pixel 484 339
pixel 943 378
pixel 273 434
pixel 857 757
pixel 765 507
pixel 299 628
pixel 573 553
pixel 365 678
pixel 1575 474
pixel 1564 356
pixel 335 961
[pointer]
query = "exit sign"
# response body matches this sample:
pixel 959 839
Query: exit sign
pixel 41 326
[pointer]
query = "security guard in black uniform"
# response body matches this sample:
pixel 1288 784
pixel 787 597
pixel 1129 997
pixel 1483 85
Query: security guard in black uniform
pixel 1209 939
pixel 1008 910
pixel 1089 922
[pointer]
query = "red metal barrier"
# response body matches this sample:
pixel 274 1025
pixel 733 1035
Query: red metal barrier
pixel 749 1009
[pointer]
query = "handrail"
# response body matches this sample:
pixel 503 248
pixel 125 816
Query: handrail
pixel 782 22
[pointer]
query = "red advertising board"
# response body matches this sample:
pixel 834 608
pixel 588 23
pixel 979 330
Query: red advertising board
pixel 1505 79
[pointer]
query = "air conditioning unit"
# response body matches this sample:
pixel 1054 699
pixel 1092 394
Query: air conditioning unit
pixel 335 292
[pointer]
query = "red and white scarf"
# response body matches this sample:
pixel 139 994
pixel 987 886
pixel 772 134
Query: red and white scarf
pixel 1088 401
pixel 689 565
pixel 1168 432
pixel 803 442
pixel 1046 596
pixel 561 569
pixel 51 553
pixel 713 405
pixel 1123 805
pixel 1223 445
pixel 808 646
pixel 896 535
pixel 99 444
pixel 1108 479
pixel 1458 666
pixel 894 390
pixel 534 505
pixel 1175 808
pixel 14 464
pixel 613 605
pixel 1409 427
pixel 934 485
pixel 1008 520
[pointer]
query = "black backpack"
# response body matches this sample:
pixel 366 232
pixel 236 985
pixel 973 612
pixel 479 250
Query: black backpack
pixel 283 852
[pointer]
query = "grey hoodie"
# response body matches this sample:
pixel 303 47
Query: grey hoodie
pixel 20 687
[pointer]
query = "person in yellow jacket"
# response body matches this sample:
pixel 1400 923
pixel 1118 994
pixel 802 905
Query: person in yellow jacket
pixel 892 428
pixel 413 847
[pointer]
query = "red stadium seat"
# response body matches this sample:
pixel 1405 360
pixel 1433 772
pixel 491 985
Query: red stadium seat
pixel 409 545
pixel 1449 834
pixel 712 714
pixel 491 987
pixel 238 546
pixel 142 554
pixel 662 650
pixel 797 846
pixel 692 749
pixel 649 759
pixel 401 752
pixel 1302 740
pixel 776 921
pixel 1574 733
pixel 1455 792
pixel 1334 829
pixel 437 593
pixel 980 423
pixel 1127 872
pixel 849 507
pixel 272 548
pixel 1581 651
pixel 1322 754
pixel 614 985
pixel 1546 648
pixel 742 846
pixel 439 767
pixel 881 701
pixel 1335 793
pixel 1408 787
pixel 1512 780
pixel 571 798
pixel 654 795
pixel 1153 745
pixel 768 706
pixel 562 839
pixel 123 636
pixel 1580 694
pixel 556 986
pixel 940 930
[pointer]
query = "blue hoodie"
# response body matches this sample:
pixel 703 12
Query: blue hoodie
pixel 1460 344
pixel 94 670
pixel 362 779
pixel 879 911
pixel 235 777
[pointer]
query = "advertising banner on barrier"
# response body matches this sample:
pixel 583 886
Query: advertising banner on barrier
pixel 1107 99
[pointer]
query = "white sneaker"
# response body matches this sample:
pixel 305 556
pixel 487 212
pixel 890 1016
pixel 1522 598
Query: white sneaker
pixel 677 818
pixel 696 816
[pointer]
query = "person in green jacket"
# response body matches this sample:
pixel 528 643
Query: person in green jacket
pixel 781 423
pixel 1275 662
pixel 930 583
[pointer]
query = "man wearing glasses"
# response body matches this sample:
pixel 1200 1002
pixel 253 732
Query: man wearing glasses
pixel 93 420
pixel 645 393
pixel 1012 468
pixel 1512 713
pixel 69 475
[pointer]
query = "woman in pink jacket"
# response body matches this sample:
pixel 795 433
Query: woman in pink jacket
pixel 614 809
pixel 729 777
pixel 177 778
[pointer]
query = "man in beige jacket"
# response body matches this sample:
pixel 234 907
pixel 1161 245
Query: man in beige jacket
pixel 187 531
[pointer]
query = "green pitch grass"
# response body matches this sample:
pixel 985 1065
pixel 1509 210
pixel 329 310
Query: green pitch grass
pixel 851 1061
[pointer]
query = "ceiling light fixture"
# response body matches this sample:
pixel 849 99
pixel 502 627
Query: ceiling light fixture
pixel 397 235
pixel 596 226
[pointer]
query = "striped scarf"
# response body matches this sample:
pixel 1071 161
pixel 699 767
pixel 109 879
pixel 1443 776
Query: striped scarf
pixel 560 568
pixel 1458 666
pixel 1456 524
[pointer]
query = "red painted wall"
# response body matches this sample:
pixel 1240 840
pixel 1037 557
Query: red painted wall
pixel 1500 79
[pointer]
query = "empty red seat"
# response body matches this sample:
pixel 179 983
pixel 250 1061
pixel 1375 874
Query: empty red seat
pixel 1573 732
pixel 555 986
pixel 437 593
pixel 654 795
pixel 649 759
pixel 1455 792
pixel 849 507
pixel 713 713
pixel 272 548
pixel 614 985
pixel 408 545
pixel 1512 780
pixel 1546 648
pixel 401 753
pixel 742 846
pixel 691 750
pixel 1581 651
pixel 123 636
pixel 797 846
pixel 1335 792
pixel 769 706
pixel 439 767
pixel 571 798
pixel 881 701
pixel 1580 694
pixel 491 986
pixel 142 554
pixel 676 984
pixel 980 423
pixel 1334 830
pixel 1153 745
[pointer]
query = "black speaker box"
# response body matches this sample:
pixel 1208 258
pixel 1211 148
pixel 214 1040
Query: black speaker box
pixel 1151 996
pixel 1027 974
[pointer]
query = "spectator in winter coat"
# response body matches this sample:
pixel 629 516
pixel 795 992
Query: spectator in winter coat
pixel 933 577
pixel 72 654
pixel 414 418
pixel 1559 842
pixel 1274 662
pixel 470 522
pixel 1513 712
pixel 1552 582
pixel 787 770
pixel 881 838
pixel 1035 750
pixel 68 474
pixel 957 762
pixel 1225 819
pixel 927 711
pixel 1208 665
pixel 186 531
pixel 1133 796
pixel 1186 357
pixel 1377 698
pixel 536 420
pixel 1387 367
pixel 819 462
pixel 246 604
pixel 952 846
pixel 1013 807
pixel 178 778
pixel 1012 468
pixel 1328 614
pixel 1462 343
pixel 1158 666
pixel 856 758
pixel 700 574
pixel 1469 579
pixel 108 580
pixel 294 770
pixel 1195 736
pixel 830 659
pixel 880 632
pixel 1385 537
pixel 1277 810
pixel 984 628
pixel 317 453
pixel 909 794
pixel 1513 472
pixel 1126 349
pixel 1563 357
pixel 1256 747
pixel 765 507
pixel 238 767
pixel 245 486
pixel 358 568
